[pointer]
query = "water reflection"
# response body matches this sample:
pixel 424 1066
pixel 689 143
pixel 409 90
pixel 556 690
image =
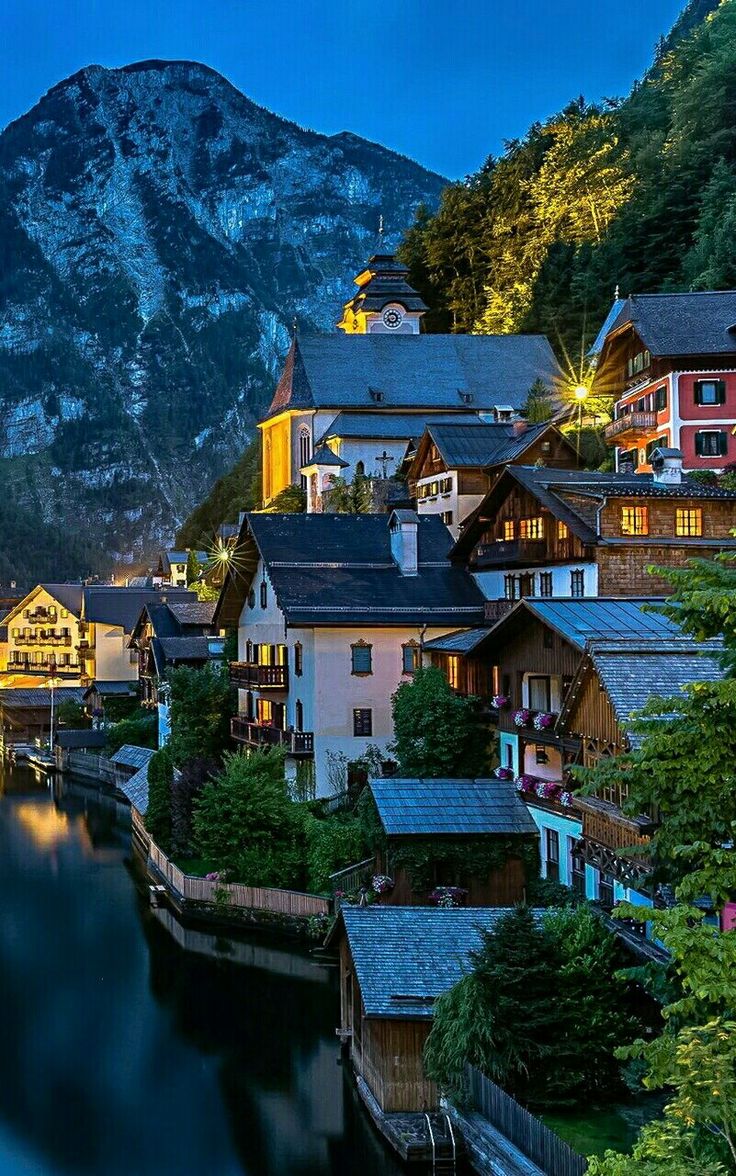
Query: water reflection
pixel 133 1046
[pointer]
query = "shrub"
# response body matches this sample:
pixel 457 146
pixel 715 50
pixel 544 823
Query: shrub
pixel 158 815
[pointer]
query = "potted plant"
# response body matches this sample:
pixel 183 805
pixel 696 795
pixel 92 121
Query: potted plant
pixel 502 773
pixel 500 701
pixel 382 884
pixel 448 896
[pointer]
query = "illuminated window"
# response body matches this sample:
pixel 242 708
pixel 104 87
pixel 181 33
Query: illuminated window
pixel 532 528
pixel 635 520
pixel 446 517
pixel 446 486
pixel 508 529
pixel 361 658
pixel 264 710
pixel 562 530
pixel 434 488
pixel 688 522
pixel 453 670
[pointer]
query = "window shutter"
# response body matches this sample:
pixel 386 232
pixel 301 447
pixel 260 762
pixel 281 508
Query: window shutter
pixel 699 444
pixel 721 397
pixel 722 444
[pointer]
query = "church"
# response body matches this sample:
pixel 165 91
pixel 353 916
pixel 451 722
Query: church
pixel 359 400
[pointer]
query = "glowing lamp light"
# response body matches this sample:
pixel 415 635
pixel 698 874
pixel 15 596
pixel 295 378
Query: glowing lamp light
pixel 580 392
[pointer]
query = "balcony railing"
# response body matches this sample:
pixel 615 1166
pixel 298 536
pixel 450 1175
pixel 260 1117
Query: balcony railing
pixel 264 735
pixel 494 610
pixel 248 675
pixel 511 553
pixel 631 422
pixel 46 667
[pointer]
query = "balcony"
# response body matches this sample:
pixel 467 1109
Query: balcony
pixel 631 425
pixel 264 735
pixel 508 553
pixel 248 675
pixel 494 610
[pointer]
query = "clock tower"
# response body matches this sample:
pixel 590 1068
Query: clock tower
pixel 385 303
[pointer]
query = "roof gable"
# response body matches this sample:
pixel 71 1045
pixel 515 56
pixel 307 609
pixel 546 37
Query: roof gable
pixel 699 323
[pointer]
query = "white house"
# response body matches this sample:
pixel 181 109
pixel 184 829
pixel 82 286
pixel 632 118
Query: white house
pixel 332 612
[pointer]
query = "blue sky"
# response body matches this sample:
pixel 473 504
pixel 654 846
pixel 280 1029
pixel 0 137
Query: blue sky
pixel 444 81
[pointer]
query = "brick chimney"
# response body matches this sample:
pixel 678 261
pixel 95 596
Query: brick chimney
pixel 404 528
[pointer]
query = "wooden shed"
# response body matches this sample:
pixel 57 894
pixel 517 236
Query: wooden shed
pixel 474 835
pixel 394 963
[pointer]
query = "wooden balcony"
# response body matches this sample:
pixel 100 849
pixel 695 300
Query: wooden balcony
pixel 609 827
pixel 248 675
pixel 263 735
pixel 509 553
pixel 631 425
pixel 494 610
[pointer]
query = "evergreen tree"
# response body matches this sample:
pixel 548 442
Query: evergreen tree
pixel 158 814
pixel 437 732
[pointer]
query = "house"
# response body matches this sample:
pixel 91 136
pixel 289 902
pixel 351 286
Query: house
pixel 473 835
pixel 109 700
pixel 369 393
pixel 394 964
pixel 454 464
pixel 25 714
pixel 175 563
pixel 566 675
pixel 331 613
pixel 562 532
pixel 82 740
pixel 173 632
pixel 128 761
pixel 75 633
pixel 670 362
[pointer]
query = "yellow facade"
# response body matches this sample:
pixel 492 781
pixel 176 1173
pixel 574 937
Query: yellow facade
pixel 43 634
pixel 276 455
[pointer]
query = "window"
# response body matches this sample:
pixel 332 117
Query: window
pixel 264 594
pixel 453 670
pixel 637 363
pixel 539 692
pixel 305 447
pixel 251 599
pixel 577 583
pixel 510 587
pixel 249 705
pixel 710 392
pixel 446 486
pixel 628 458
pixel 264 710
pixel 660 398
pixel 434 489
pixel 360 469
pixel 532 528
pixel 562 531
pixel 299 716
pixel 711 443
pixel 526 584
pixel 508 529
pixel 540 754
pixel 362 721
pixel 545 583
pixel 361 658
pixel 446 517
pixel 552 854
pixel 651 446
pixel 688 521
pixel 635 520
pixel 409 658
pixel 605 891
pixel 298 659
pixel 577 868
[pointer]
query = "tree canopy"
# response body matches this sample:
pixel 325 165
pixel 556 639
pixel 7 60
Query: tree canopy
pixel 437 732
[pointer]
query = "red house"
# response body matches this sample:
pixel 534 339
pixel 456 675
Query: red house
pixel 670 361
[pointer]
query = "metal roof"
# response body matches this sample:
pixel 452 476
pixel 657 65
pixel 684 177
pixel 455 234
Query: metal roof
pixel 581 620
pixel 132 756
pixel 405 957
pixel 412 807
pixel 404 426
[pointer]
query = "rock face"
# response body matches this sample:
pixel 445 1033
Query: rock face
pixel 158 234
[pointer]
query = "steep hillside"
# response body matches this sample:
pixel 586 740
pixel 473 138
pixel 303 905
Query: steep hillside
pixel 158 234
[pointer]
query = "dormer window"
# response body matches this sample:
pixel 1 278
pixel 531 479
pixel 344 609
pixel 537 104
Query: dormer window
pixel 376 395
pixel 466 397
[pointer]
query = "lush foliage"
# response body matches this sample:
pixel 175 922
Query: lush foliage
pixel 353 497
pixel 437 732
pixel 239 489
pixel 330 844
pixel 186 786
pixel 140 728
pixel 540 1013
pixel 291 500
pixel 158 815
pixel 201 705
pixel 640 192
pixel 71 714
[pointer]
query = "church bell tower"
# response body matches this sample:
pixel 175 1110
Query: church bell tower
pixel 385 303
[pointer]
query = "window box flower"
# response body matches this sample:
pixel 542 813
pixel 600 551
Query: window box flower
pixel 504 773
pixel 566 799
pixel 526 783
pixel 544 720
pixel 522 717
pixel 548 789
pixel 382 884
pixel 448 896
pixel 500 701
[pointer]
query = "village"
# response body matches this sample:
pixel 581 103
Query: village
pixel 411 709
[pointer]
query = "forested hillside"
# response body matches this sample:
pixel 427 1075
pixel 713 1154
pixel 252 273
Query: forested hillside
pixel 639 193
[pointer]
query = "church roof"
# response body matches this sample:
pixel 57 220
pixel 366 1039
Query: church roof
pixel 400 372
pixel 324 456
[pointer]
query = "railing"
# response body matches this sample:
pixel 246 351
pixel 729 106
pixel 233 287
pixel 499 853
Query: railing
pixel 350 879
pixel 259 898
pixel 614 834
pixel 44 667
pixel 494 610
pixel 507 552
pixel 248 674
pixel 538 1143
pixel 631 422
pixel 264 735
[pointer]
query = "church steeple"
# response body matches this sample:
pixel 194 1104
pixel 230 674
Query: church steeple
pixel 385 303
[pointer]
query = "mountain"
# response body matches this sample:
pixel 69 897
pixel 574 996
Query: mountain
pixel 159 233
pixel 638 193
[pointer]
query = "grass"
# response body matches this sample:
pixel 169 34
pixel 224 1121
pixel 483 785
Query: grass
pixel 593 1131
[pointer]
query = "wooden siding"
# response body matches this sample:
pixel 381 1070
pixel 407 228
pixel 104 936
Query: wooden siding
pixel 521 504
pixel 503 887
pixel 525 652
pixel 592 719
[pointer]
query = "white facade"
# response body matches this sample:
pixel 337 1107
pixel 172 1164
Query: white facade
pixel 440 495
pixel 493 583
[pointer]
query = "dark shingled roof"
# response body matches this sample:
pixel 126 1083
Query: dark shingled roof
pixel 462 445
pixel 462 641
pixel 323 455
pixel 404 426
pixel 123 606
pixel 77 738
pixel 334 568
pixel 132 756
pixel 453 807
pixel 405 957
pixel 192 612
pixel 412 371
pixel 32 699
pixel 702 323
pixel 110 688
pixel 136 789
pixel 184 648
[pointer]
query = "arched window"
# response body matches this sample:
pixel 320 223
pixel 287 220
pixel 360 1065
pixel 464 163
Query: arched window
pixel 360 468
pixel 264 594
pixel 305 451
pixel 299 716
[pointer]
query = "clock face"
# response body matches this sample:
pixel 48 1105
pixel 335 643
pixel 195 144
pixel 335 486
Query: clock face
pixel 392 317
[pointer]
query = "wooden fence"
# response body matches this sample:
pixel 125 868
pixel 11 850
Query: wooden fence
pixel 538 1143
pixel 258 898
pixel 85 763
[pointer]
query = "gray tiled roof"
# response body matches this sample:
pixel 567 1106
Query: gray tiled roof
pixel 323 455
pixel 31 699
pixel 330 568
pixel 700 323
pixel 462 445
pixel 136 789
pixel 413 371
pixel 192 612
pixel 471 808
pixel 123 606
pixel 462 641
pixel 105 688
pixel 412 952
pixel 80 738
pixel 132 756
pixel 404 426
pixel 184 648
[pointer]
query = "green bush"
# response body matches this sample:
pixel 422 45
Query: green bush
pixel 141 729
pixel 158 814
pixel 437 732
pixel 331 844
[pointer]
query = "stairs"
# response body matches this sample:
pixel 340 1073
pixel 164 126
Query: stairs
pixel 443 1145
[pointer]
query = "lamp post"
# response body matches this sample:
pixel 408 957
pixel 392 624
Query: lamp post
pixel 581 395
pixel 53 681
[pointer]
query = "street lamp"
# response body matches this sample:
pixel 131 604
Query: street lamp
pixel 53 682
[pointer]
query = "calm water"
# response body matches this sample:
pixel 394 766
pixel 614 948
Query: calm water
pixel 128 1046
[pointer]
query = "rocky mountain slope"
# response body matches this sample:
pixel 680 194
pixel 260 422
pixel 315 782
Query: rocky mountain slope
pixel 158 234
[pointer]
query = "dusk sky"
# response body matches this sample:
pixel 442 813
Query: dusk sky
pixel 443 81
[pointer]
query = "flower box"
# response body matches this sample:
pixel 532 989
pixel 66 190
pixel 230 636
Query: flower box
pixel 448 896
pixel 523 717
pixel 500 701
pixel 544 720
pixel 382 884
pixel 504 773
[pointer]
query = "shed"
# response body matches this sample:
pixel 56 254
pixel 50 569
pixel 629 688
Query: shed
pixel 128 760
pixel 394 963
pixel 477 835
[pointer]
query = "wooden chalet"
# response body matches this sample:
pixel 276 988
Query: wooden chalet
pixel 452 820
pixel 170 633
pixel 25 714
pixel 394 963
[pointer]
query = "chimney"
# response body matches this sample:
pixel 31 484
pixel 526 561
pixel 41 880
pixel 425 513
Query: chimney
pixel 518 428
pixel 404 528
pixel 666 467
